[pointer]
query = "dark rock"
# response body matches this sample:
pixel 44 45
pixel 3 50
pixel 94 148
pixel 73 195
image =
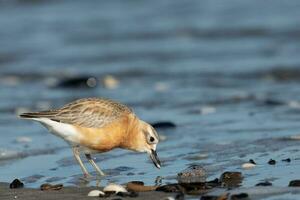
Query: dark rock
pixel 294 183
pixel 231 179
pixel 48 186
pixel 272 162
pixel 169 188
pixel 193 174
pixel 252 161
pixel 179 196
pixel 127 194
pixel 273 102
pixel 163 125
pixel 194 188
pixel 286 160
pixel 109 193
pixel 211 197
pixel 16 184
pixel 239 196
pixel 214 183
pixel 266 183
pixel 78 82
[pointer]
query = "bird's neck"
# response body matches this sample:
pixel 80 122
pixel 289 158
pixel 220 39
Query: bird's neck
pixel 133 139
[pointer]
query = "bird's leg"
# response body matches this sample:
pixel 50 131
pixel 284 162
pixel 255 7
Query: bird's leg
pixel 90 159
pixel 77 157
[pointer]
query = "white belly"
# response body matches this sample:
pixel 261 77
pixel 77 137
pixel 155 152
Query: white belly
pixel 65 131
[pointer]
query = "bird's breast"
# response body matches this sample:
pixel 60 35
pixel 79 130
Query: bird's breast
pixel 105 138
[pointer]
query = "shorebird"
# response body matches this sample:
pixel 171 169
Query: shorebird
pixel 97 125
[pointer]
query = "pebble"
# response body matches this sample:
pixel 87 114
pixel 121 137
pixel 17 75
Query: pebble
pixel 266 183
pixel 272 162
pixel 252 161
pixel 114 188
pixel 78 82
pixel 23 139
pixel 161 87
pixel 16 184
pixel 169 198
pixel 95 193
pixel 231 179
pixel 110 82
pixel 164 125
pixel 48 186
pixel 162 137
pixel 169 188
pixel 286 160
pixel 294 183
pixel 273 102
pixel 239 196
pixel 207 110
pixel 212 197
pixel 131 194
pixel 138 186
pixel 192 174
pixel 248 165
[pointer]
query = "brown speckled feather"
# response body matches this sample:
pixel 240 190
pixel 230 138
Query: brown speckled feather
pixel 89 112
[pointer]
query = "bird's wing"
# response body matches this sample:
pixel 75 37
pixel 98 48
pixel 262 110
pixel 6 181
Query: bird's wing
pixel 90 113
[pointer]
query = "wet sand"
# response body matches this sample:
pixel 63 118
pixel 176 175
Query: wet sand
pixel 67 193
pixel 73 193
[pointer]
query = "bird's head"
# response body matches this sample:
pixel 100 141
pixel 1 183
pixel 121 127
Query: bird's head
pixel 149 139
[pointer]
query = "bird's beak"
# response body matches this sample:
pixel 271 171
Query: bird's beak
pixel 155 159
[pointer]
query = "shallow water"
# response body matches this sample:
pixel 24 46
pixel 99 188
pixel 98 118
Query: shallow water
pixel 227 74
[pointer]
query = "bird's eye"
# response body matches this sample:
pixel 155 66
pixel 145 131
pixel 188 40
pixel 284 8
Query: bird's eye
pixel 152 139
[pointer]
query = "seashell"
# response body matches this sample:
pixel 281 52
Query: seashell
pixel 114 188
pixel 248 165
pixel 95 193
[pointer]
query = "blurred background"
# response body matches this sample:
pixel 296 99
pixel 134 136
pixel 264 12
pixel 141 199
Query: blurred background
pixel 225 73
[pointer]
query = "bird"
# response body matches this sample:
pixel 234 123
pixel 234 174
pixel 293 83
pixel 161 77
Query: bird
pixel 97 125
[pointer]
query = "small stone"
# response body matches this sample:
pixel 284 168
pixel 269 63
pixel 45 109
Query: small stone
pixel 48 186
pixel 110 82
pixel 23 139
pixel 95 193
pixel 248 165
pixel 16 184
pixel 114 188
pixel 91 82
pixel 169 188
pixel 252 161
pixel 131 194
pixel 212 197
pixel 164 125
pixel 266 183
pixel 272 162
pixel 286 160
pixel 77 82
pixel 294 183
pixel 207 110
pixel 239 196
pixel 231 179
pixel 161 87
pixel 192 174
pixel 179 196
pixel 162 137
pixel 273 102
pixel 169 198
pixel 209 197
pixel 138 186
